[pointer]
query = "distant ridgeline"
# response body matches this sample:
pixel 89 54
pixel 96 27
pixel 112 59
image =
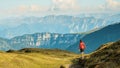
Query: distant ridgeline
pixel 40 40
pixel 51 23
pixel 68 42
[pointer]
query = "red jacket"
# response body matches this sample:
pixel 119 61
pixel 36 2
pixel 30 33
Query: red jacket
pixel 82 45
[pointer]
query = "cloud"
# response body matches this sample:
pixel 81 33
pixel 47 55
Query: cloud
pixel 32 8
pixel 60 7
pixel 111 5
pixel 25 10
pixel 64 5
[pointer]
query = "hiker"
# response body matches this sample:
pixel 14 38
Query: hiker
pixel 82 48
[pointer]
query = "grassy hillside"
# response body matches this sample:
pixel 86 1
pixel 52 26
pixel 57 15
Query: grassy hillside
pixel 93 40
pixel 35 58
pixel 106 56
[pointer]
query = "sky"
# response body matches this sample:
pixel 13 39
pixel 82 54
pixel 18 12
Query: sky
pixel 46 7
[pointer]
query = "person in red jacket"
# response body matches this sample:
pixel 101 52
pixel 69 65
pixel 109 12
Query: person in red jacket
pixel 82 48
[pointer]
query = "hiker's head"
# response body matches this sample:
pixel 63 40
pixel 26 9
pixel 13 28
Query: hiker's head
pixel 80 40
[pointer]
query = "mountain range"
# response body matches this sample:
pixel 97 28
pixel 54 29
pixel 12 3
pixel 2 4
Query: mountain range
pixel 40 40
pixel 70 42
pixel 17 26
